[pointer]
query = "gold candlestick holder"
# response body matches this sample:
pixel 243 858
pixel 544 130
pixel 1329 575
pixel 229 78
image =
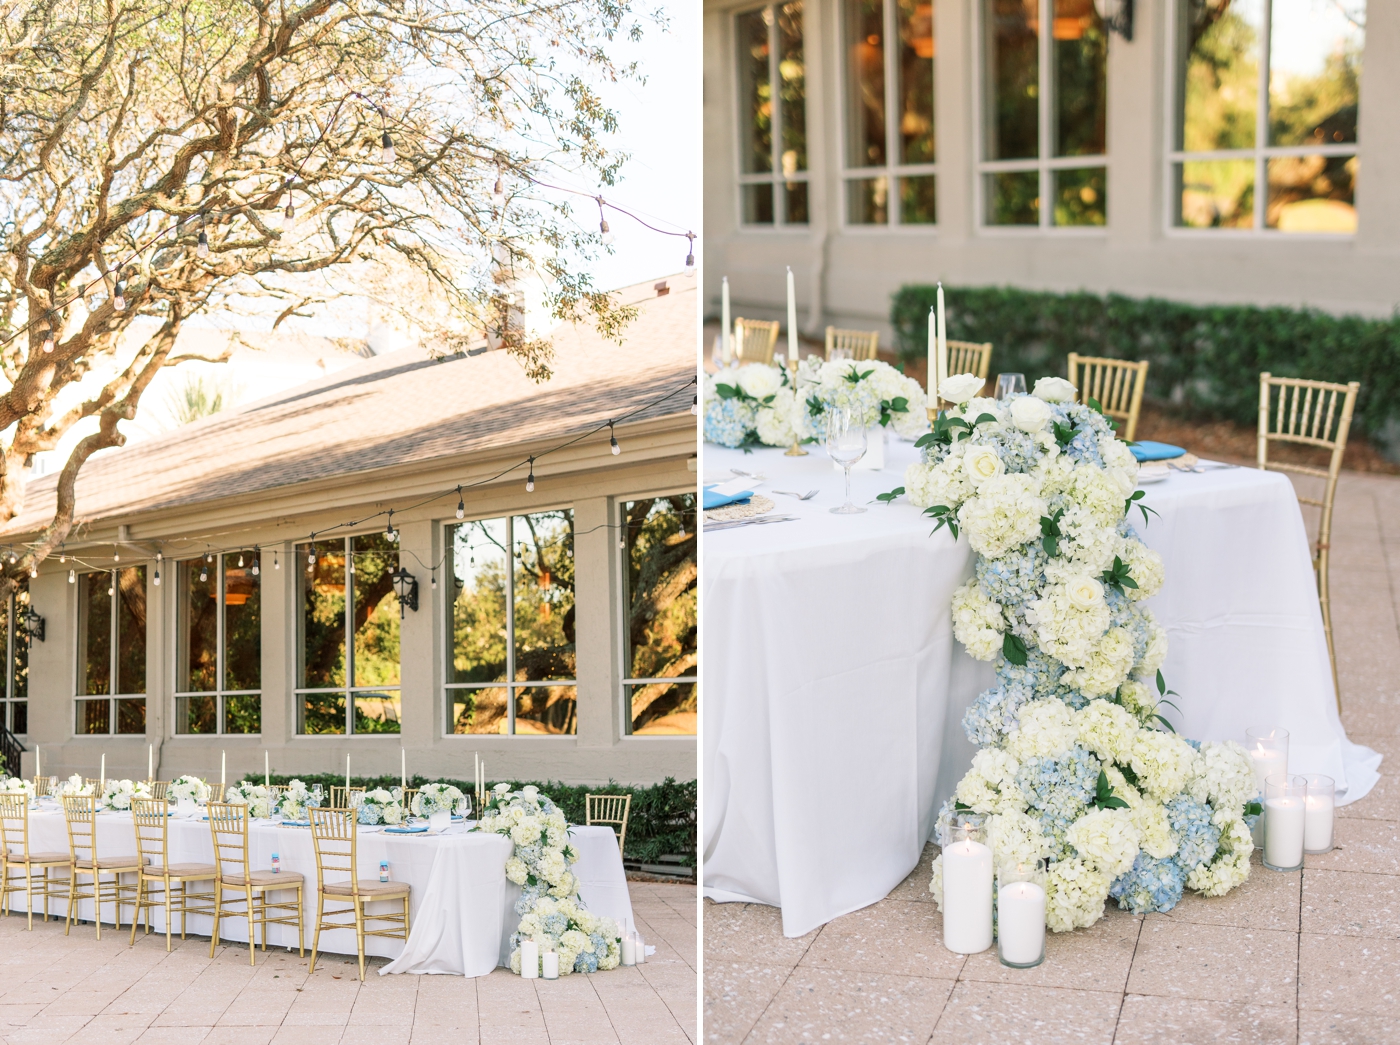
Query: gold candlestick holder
pixel 795 450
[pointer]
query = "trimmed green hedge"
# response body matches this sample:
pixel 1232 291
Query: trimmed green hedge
pixel 1206 358
pixel 661 821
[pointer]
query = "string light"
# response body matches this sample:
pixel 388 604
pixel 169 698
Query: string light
pixel 389 530
pixel 202 245
pixel 690 254
pixel 461 505
pixel 608 236
pixel 204 572
pixel 387 153
pixel 33 570
pixel 119 296
pixel 240 560
pixel 529 479
pixel 73 577
pixel 498 194
pixel 159 559
pixel 289 216
pixel 256 569
pixel 275 564
pixel 612 440
pixel 48 335
pixel 434 576
pixel 12 557
pixel 116 555
pixel 695 405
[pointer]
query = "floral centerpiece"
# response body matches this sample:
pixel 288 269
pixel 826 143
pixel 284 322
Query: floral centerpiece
pixel 117 794
pixel 875 392
pixel 1078 765
pixel 188 789
pixel 754 405
pixel 17 786
pixel 257 798
pixel 74 785
pixel 297 798
pixel 551 912
pixel 381 806
pixel 439 798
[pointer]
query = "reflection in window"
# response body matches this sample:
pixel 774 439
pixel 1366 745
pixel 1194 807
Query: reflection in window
pixel 112 647
pixel 512 648
pixel 14 644
pixel 348 636
pixel 219 655
pixel 659 615
pixel 1285 119
pixel 773 131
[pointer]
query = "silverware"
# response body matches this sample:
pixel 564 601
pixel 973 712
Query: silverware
pixel 800 496
pixel 754 520
pixel 1210 466
pixel 749 475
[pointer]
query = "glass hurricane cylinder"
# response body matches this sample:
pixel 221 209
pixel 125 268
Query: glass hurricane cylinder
pixel 1268 748
pixel 967 885
pixel 1021 916
pixel 1321 806
pixel 1285 815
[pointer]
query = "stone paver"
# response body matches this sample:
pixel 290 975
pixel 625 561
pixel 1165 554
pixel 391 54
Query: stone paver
pixel 75 989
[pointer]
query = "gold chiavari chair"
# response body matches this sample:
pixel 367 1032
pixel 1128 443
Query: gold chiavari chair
pixel 1315 414
pixel 44 785
pixel 1117 384
pixel 15 856
pixel 343 798
pixel 94 782
pixel 228 824
pixel 612 810
pixel 754 340
pixel 862 344
pixel 969 357
pixel 151 818
pixel 408 796
pixel 216 792
pixel 157 787
pixel 336 840
pixel 80 811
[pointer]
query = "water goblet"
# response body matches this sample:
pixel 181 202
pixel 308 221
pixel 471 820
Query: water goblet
pixel 845 444
pixel 838 352
pixel 1010 384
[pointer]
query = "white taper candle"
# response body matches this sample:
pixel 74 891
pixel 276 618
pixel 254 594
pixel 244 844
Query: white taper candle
pixel 726 349
pixel 793 350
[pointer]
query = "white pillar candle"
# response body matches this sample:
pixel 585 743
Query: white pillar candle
pixel 1021 922
pixel 550 961
pixel 967 897
pixel 1283 831
pixel 629 949
pixel 791 318
pixel 1317 831
pixel 1267 762
pixel 726 349
pixel 530 959
pixel 640 947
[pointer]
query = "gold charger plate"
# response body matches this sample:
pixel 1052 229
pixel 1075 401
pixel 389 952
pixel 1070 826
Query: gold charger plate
pixel 757 506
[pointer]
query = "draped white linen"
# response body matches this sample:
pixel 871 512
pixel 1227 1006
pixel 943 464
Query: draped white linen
pixel 835 690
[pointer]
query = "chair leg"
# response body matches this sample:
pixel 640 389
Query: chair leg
pixel 29 893
pixel 168 914
pixel 97 897
pixel 316 939
pixel 218 915
pixel 252 926
pixel 68 919
pixel 136 920
pixel 301 925
pixel 360 934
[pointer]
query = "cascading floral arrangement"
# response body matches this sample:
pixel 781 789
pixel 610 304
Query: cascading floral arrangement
pixel 551 912
pixel 439 798
pixel 190 788
pixel 1077 765
pixel 259 799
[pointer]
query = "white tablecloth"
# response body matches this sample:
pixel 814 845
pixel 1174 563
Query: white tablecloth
pixel 461 905
pixel 835 690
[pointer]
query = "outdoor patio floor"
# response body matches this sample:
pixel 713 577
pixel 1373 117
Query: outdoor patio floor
pixel 55 989
pixel 1311 957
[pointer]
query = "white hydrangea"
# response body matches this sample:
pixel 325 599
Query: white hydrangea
pixel 1016 839
pixel 1162 762
pixel 516 870
pixel 1231 864
pixel 784 420
pixel 943 483
pixel 1108 666
pixel 1106 839
pixel 1098 492
pixel 1005 514
pixel 1046 728
pixel 1156 654
pixel 1226 774
pixel 1074 895
pixel 1137 699
pixel 990 785
pixel 1155 826
pixel 891 385
pixel 759 380
pixel 1068 628
pixel 935 884
pixel 1088 546
pixel 1147 569
pixel 1107 730
pixel 978 622
pixel 1117 454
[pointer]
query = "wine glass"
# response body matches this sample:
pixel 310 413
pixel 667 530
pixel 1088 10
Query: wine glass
pixel 845 444
pixel 1010 384
pixel 839 352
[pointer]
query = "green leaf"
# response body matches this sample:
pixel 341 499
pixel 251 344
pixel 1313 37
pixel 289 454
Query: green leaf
pixel 1253 809
pixel 1164 722
pixel 1113 803
pixel 927 439
pixel 899 405
pixel 1104 797
pixel 727 391
pixel 1161 683
pixel 889 498
pixel 1013 649
pixel 1064 434
pixel 983 418
pixel 945 516
pixel 1128 774
pixel 958 805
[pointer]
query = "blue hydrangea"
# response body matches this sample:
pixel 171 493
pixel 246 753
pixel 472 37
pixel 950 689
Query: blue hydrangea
pixel 529 896
pixel 1014 578
pixel 1149 885
pixel 587 961
pixel 993 714
pixel 1018 450
pixel 1059 790
pixel 555 924
pixel 600 945
pixel 1041 675
pixel 728 421
pixel 1197 837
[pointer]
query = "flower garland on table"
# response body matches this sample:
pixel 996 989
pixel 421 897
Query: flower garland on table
pixel 875 392
pixel 381 806
pixel 72 786
pixel 551 912
pixel 257 798
pixel 754 405
pixel 190 788
pixel 117 794
pixel 1072 766
pixel 439 798
pixel 297 798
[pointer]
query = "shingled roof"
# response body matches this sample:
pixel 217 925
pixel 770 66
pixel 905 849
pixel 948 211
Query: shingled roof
pixel 397 409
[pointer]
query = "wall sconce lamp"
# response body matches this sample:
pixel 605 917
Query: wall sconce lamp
pixel 406 588
pixel 1117 16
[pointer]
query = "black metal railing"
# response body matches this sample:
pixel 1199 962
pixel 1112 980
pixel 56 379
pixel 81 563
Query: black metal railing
pixel 10 750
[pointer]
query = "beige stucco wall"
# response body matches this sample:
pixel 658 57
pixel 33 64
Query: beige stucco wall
pixel 846 275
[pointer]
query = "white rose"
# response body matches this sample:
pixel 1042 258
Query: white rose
pixel 960 387
pixel 1085 593
pixel 1030 414
pixel 1054 390
pixel 981 463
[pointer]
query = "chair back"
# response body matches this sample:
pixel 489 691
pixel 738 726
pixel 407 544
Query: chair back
pixel 1117 384
pixel 333 834
pixel 14 825
pixel 94 781
pixel 612 810
pixel 754 340
pixel 216 792
pixel 228 827
pixel 80 811
pixel 44 785
pixel 862 344
pixel 969 357
pixel 150 817
pixel 158 787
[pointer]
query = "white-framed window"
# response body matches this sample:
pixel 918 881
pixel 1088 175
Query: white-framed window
pixel 660 622
pixel 14 694
pixel 773 169
pixel 511 644
pixel 218 645
pixel 347 636
pixel 889 159
pixel 111 695
pixel 1264 97
pixel 1043 150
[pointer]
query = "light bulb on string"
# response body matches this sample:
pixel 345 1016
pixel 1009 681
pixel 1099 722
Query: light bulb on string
pixel 240 560
pixel 276 563
pixel 289 216
pixel 461 505
pixel 256 569
pixel 387 152
pixel 116 555
pixel 498 194
pixel 202 244
pixel 73 577
pixel 690 255
pixel 119 296
pixel 434 582
pixel 159 559
pixel 13 558
pixel 204 573
pixel 608 237
pixel 389 530
pixel 33 570
pixel 530 479
pixel 695 404
pixel 48 336
pixel 612 440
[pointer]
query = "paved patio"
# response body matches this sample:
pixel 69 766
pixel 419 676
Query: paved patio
pixel 1311 957
pixel 76 989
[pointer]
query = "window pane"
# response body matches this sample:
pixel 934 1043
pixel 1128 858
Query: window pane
pixel 131 715
pixel 664 708
pixel 918 201
pixel 795 193
pixel 479 711
pixel 479 576
pixel 1081 88
pixel 792 71
pixel 377 712
pixel 661 587
pixel 242 623
pixel 755 92
pixel 21 664
pixel 868 201
pixel 200 632
pixel 916 141
pixel 196 714
pixel 758 204
pixel 865 83
pixel 546 709
pixel 376 611
pixel 321 713
pixel 1081 197
pixel 1218 194
pixel 243 713
pixel 544 596
pixel 19 717
pixel 1218 73
pixel 1013 198
pixel 1013 79
pixel 93 716
pixel 321 623
pixel 1314 66
pixel 95 636
pixel 131 637
pixel 1312 194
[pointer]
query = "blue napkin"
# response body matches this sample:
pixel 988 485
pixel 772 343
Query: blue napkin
pixel 719 500
pixel 1150 451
